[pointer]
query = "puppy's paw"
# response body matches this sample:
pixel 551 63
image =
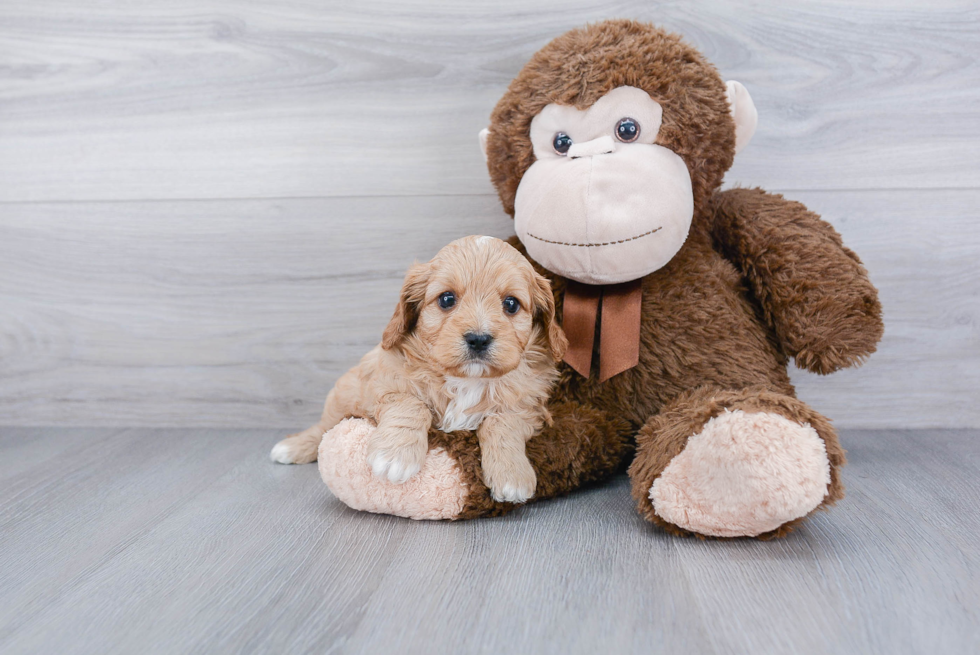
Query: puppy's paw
pixel 396 462
pixel 514 483
pixel 298 449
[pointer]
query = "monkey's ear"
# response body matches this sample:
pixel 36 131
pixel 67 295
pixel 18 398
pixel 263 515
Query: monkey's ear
pixel 409 303
pixel 484 135
pixel 743 111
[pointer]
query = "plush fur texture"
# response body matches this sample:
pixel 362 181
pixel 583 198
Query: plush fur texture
pixel 426 373
pixel 581 66
pixel 760 280
pixel 666 436
pixel 436 492
pixel 813 291
pixel 581 447
pixel 608 211
pixel 743 474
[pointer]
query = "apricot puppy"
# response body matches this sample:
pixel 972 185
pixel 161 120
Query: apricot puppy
pixel 472 345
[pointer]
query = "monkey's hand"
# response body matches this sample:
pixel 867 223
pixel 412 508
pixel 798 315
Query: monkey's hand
pixel 814 292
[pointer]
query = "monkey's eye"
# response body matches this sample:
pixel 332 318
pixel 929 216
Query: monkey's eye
pixel 511 305
pixel 627 130
pixel 562 143
pixel 447 299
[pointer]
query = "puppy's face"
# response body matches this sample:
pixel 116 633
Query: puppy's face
pixel 474 310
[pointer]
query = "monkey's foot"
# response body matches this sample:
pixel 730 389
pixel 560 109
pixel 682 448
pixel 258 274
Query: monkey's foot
pixel 757 464
pixel 436 492
pixel 743 475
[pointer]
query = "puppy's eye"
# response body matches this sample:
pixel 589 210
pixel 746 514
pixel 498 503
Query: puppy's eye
pixel 447 299
pixel 511 305
pixel 562 143
pixel 627 130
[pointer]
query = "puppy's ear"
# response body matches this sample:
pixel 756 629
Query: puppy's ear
pixel 544 311
pixel 409 304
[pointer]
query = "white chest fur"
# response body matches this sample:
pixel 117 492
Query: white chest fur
pixel 464 394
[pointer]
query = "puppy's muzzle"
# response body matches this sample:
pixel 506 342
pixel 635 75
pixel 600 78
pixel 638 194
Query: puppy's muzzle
pixel 478 343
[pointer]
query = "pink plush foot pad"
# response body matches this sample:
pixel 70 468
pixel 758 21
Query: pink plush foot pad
pixel 436 492
pixel 743 475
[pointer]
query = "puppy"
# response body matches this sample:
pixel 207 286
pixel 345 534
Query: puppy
pixel 472 345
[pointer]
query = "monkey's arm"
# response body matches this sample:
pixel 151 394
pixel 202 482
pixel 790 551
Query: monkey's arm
pixel 814 292
pixel 584 445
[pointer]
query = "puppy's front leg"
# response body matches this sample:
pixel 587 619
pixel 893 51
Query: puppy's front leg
pixel 506 469
pixel 398 447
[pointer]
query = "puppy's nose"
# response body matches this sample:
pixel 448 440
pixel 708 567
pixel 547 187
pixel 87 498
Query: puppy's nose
pixel 477 342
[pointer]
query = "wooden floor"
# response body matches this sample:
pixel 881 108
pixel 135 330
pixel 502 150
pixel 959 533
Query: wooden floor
pixel 191 541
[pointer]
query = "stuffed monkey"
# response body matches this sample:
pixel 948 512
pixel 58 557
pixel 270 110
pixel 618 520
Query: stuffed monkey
pixel 683 303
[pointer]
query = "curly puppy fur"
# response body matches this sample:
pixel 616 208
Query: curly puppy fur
pixel 427 371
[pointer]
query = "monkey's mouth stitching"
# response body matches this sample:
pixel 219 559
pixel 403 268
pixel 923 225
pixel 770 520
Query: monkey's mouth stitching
pixel 593 245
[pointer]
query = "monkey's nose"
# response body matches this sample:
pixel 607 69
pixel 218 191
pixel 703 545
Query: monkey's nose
pixel 478 343
pixel 601 146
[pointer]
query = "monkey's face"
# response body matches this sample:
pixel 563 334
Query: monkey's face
pixel 603 202
pixel 607 146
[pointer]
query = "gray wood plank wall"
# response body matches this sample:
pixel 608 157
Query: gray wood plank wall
pixel 206 207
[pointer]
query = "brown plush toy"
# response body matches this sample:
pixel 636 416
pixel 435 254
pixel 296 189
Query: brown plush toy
pixel 683 304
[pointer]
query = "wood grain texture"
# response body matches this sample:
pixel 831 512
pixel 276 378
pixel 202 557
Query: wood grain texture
pixel 220 99
pixel 191 541
pixel 922 251
pixel 198 313
pixel 243 313
pixel 206 207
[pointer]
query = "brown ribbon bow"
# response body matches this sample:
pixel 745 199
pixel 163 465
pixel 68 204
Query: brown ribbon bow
pixel 619 332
